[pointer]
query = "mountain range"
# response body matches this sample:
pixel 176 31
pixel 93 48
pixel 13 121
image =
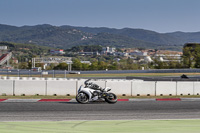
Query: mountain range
pixel 68 36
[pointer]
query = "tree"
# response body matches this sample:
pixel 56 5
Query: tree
pixel 112 66
pixel 85 66
pixel 197 56
pixel 188 57
pixel 94 65
pixel 77 65
pixel 51 66
pixel 102 65
pixel 23 65
pixel 61 66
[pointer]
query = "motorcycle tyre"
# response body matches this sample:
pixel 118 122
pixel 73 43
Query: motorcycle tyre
pixel 87 101
pixel 111 101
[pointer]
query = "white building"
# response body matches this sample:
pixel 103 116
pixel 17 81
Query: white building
pixel 3 47
pixel 120 54
pixel 106 50
pixel 86 62
pixel 168 57
pixel 138 53
pixel 148 59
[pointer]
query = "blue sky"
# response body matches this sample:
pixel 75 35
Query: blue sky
pixel 157 15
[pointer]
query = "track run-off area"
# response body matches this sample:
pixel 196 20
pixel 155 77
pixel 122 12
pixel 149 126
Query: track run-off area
pixel 122 117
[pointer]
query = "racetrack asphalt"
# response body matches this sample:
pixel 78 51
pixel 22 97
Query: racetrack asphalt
pixel 129 110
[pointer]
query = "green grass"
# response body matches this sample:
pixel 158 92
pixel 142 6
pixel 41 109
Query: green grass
pixel 118 126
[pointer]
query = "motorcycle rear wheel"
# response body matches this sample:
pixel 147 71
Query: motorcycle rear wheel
pixel 111 98
pixel 82 98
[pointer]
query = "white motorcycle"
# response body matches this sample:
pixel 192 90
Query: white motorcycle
pixel 93 92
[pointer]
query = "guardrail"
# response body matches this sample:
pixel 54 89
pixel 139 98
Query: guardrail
pixel 62 86
pixel 62 73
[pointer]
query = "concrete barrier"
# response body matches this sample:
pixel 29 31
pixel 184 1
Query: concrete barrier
pixel 13 78
pixel 196 88
pixel 4 77
pixel 30 87
pixel 143 88
pixel 165 88
pixel 120 87
pixel 185 88
pixel 6 87
pixel 59 87
pixel 51 86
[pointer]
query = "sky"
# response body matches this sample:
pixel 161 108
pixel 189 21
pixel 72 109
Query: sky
pixel 158 15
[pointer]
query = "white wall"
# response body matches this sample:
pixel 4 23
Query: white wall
pixel 185 88
pixel 143 88
pixel 119 87
pixel 165 88
pixel 6 87
pixel 30 87
pixel 196 88
pixel 65 87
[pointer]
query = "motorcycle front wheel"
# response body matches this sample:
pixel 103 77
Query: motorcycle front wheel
pixel 111 98
pixel 82 98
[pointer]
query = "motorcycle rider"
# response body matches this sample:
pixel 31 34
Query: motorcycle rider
pixel 93 92
pixel 92 85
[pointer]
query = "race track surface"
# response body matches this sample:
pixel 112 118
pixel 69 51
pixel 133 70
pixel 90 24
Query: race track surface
pixel 61 111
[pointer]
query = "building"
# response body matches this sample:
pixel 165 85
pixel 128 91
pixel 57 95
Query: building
pixel 164 55
pixel 120 54
pixel 106 50
pixel 86 62
pixel 148 59
pixel 88 53
pixel 15 60
pixel 3 47
pixel 138 53
pixel 60 51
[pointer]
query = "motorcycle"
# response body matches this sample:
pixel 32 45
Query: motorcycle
pixel 90 92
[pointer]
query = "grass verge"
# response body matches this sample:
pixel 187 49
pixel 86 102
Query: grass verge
pixel 109 75
pixel 118 126
pixel 132 74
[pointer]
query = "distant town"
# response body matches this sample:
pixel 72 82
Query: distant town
pixel 104 58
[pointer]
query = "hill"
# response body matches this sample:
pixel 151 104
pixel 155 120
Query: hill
pixel 186 36
pixel 119 41
pixel 45 35
pixel 138 34
pixel 69 36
